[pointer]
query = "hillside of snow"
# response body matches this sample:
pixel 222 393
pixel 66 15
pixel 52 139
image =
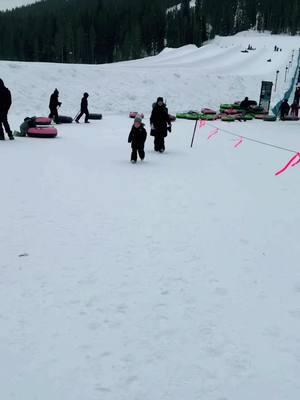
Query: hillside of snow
pixel 10 4
pixel 188 77
pixel 175 278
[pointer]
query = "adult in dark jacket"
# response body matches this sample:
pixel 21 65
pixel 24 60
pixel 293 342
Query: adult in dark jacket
pixel 137 138
pixel 84 109
pixel 295 109
pixel 53 105
pixel 5 103
pixel 297 95
pixel 284 109
pixel 160 124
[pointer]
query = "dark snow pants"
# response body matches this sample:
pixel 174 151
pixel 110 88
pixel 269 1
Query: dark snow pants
pixel 137 151
pixel 4 123
pixel 54 115
pixel 159 143
pixel 81 114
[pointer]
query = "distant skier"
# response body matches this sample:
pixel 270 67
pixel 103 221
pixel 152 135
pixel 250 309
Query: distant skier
pixel 160 124
pixel 284 109
pixel 137 138
pixel 53 105
pixel 5 103
pixel 84 109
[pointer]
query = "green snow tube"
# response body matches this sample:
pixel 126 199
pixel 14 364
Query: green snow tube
pixel 270 118
pixel 228 119
pixel 189 115
pixel 208 117
pixel 248 117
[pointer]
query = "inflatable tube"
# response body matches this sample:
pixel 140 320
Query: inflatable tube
pixel 63 119
pixel 290 118
pixel 259 116
pixel 42 132
pixel 208 117
pixel 43 121
pixel 270 118
pixel 208 111
pixel 257 110
pixel 96 116
pixel 189 115
pixel 230 111
pixel 133 114
pixel 172 118
pixel 228 119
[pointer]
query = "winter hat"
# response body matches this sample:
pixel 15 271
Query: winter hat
pixel 85 94
pixel 138 119
pixel 160 99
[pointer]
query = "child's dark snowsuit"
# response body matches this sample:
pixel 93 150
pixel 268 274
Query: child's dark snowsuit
pixel 137 138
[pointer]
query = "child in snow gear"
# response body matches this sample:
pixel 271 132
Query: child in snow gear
pixel 160 124
pixel 5 103
pixel 84 109
pixel 137 138
pixel 284 109
pixel 53 105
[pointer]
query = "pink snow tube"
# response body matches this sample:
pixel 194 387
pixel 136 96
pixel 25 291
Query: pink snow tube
pixel 133 114
pixel 230 111
pixel 43 121
pixel 42 132
pixel 208 111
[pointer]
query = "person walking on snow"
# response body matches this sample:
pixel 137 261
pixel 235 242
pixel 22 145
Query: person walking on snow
pixel 297 95
pixel 84 109
pixel 137 138
pixel 160 124
pixel 5 103
pixel 53 105
pixel 284 109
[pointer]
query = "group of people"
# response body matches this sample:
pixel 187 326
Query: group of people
pixel 285 108
pixel 160 126
pixel 54 105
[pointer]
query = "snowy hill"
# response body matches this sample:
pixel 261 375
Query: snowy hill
pixel 176 278
pixel 9 4
pixel 189 77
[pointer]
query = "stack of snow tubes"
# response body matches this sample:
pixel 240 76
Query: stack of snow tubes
pixel 43 129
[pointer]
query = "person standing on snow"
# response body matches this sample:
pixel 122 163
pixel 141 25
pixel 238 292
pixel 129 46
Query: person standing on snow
pixel 5 103
pixel 160 124
pixel 295 109
pixel 297 95
pixel 137 138
pixel 53 105
pixel 84 109
pixel 284 109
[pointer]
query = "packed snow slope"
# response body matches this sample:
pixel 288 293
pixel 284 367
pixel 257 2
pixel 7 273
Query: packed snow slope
pixel 10 4
pixel 176 278
pixel 189 77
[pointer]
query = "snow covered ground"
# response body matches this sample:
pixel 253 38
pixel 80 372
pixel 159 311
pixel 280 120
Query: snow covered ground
pixel 176 278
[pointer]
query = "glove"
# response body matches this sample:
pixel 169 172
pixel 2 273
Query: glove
pixel 169 128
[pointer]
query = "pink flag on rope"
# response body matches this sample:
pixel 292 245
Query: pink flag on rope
pixel 292 163
pixel 212 133
pixel 202 123
pixel 240 141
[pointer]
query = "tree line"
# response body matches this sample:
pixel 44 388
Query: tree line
pixel 101 31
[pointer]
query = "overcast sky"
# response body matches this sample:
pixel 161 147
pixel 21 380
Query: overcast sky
pixel 7 4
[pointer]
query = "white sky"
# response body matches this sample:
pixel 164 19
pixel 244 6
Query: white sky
pixel 7 4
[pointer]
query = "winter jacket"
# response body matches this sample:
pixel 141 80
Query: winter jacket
pixel 5 98
pixel 160 119
pixel 84 105
pixel 245 104
pixel 284 108
pixel 54 103
pixel 137 137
